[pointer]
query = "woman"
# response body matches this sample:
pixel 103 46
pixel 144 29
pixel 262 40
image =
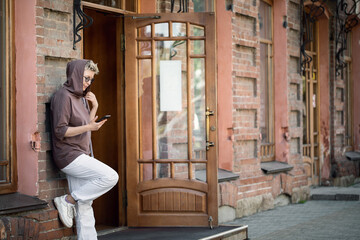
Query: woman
pixel 72 123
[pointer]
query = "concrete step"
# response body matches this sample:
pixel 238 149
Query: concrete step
pixel 238 233
pixel 336 197
pixel 229 232
pixel 351 193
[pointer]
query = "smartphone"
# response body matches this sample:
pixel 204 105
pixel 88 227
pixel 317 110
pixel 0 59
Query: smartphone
pixel 103 118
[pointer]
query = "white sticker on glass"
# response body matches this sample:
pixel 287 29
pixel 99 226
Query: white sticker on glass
pixel 170 86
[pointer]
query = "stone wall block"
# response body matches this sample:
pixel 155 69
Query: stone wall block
pixel 251 205
pixel 267 202
pixel 248 206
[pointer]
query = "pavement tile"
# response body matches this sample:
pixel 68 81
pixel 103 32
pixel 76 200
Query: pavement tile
pixel 310 220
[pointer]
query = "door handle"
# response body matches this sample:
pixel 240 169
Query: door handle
pixel 208 113
pixel 209 144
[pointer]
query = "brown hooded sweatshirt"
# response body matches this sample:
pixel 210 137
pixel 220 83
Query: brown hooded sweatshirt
pixel 69 109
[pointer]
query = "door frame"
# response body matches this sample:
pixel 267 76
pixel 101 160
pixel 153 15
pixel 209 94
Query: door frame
pixel 132 128
pixel 124 139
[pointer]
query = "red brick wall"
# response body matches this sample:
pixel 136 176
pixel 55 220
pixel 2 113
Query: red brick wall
pixel 246 96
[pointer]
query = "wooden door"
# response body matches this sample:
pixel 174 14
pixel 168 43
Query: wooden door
pixel 311 114
pixel 170 99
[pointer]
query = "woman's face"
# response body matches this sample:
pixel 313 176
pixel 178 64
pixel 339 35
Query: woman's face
pixel 87 78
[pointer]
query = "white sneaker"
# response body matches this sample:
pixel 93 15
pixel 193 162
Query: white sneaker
pixel 66 210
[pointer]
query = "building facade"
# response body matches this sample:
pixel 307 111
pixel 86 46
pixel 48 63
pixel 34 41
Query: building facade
pixel 279 78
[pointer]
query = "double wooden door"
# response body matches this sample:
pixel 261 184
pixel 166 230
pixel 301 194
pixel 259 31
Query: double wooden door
pixel 171 127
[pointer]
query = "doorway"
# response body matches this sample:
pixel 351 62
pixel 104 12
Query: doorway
pixel 101 43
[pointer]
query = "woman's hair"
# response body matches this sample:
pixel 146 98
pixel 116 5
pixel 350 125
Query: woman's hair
pixel 90 65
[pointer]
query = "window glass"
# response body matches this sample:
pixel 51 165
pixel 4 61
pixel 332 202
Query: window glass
pixel 265 20
pixel 197 31
pixel 266 113
pixel 179 29
pixel 4 100
pixel 109 3
pixel 265 92
pixel 193 6
pixel 203 5
pixel 128 5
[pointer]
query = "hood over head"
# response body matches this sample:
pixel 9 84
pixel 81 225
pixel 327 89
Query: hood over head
pixel 74 73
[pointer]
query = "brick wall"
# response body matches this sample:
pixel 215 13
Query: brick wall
pixel 295 86
pixel 246 97
pixel 54 49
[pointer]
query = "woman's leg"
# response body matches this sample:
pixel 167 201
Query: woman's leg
pixel 84 217
pixel 88 179
pixel 92 178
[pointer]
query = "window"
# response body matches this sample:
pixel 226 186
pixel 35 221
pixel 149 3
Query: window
pixel 266 81
pixel 7 170
pixel 164 6
pixel 348 97
pixel 203 6
pixel 128 5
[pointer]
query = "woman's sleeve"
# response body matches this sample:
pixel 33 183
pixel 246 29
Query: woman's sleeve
pixel 61 113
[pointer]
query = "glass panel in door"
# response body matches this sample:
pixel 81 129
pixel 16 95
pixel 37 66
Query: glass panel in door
pixel 198 105
pixel 171 99
pixel 171 90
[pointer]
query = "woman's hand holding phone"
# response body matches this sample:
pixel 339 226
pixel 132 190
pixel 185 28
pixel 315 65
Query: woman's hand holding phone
pixel 96 125
pixel 103 118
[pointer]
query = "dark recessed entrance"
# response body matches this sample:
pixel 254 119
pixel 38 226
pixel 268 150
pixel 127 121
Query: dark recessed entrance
pixel 100 45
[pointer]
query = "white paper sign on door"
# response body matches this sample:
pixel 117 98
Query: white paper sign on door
pixel 170 86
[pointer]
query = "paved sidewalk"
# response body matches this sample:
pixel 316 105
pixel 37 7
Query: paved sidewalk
pixel 311 220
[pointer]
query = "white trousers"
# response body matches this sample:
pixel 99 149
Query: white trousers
pixel 88 179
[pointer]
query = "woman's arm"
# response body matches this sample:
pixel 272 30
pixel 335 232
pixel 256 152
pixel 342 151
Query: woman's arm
pixel 92 126
pixel 94 104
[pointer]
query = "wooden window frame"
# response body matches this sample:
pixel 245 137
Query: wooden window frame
pixel 267 150
pixel 121 10
pixel 11 183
